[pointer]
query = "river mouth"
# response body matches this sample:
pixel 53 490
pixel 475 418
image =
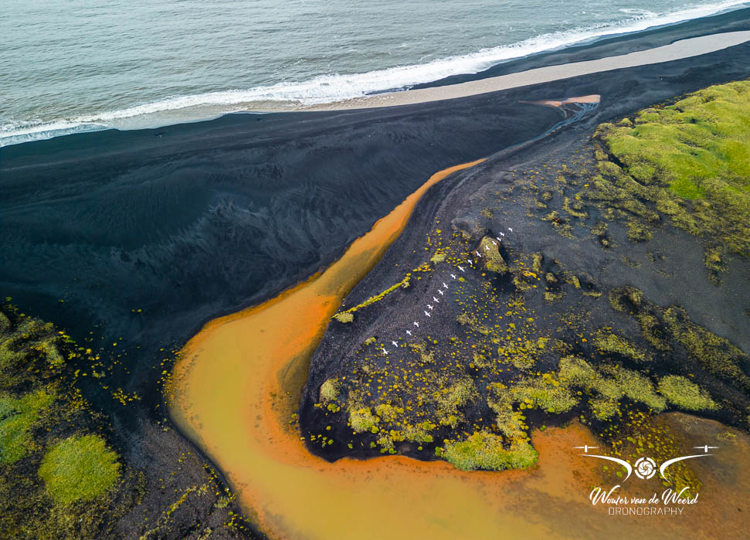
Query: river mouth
pixel 237 384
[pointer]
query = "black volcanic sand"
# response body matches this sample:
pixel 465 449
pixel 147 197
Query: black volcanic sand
pixel 669 270
pixel 140 237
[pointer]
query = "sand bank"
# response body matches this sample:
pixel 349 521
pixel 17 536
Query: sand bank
pixel 685 48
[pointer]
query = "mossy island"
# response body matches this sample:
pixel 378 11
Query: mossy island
pixel 513 322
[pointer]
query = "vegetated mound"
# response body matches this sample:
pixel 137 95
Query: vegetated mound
pixel 62 475
pixel 524 314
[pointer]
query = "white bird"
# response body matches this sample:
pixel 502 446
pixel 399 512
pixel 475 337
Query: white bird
pixel 493 243
pixel 394 343
pixel 479 255
pixel 408 332
pixel 441 292
pixel 386 352
pixel 501 234
pixel 427 313
pixel 471 262
pixel 460 268
pixel 416 324
pixel 511 230
pixel 487 248
pixel 445 285
pixel 429 307
pixel 435 300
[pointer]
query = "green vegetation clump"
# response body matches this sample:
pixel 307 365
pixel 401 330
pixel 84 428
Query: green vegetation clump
pixel 486 451
pixel 39 407
pixel 361 420
pixel 715 354
pixel 608 343
pixel 637 232
pixel 79 469
pixel 329 390
pixel 685 394
pixel 689 160
pixel 699 140
pixel 544 393
pixel 17 418
pixel 493 261
pixel 344 317
pixel 348 315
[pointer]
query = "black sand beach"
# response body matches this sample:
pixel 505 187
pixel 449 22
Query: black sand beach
pixel 141 237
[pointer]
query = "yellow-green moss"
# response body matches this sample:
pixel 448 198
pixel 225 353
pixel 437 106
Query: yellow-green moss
pixel 493 261
pixel 690 159
pixel 486 451
pixel 329 390
pixel 608 343
pixel 361 419
pixel 18 416
pixel 79 469
pixel 685 394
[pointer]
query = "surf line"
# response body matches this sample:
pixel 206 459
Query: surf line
pixel 237 382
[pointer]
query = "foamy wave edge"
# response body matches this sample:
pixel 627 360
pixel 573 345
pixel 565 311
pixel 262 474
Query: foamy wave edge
pixel 341 87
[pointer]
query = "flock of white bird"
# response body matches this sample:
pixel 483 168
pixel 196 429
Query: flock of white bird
pixel 444 288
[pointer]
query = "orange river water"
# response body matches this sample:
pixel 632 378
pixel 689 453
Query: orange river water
pixel 238 381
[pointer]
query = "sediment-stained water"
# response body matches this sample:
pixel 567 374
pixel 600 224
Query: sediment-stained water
pixel 237 384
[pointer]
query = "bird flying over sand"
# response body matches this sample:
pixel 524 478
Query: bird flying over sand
pixel 460 268
pixel 453 276
pixel 429 307
pixel 511 230
pixel 427 313
pixel 408 332
pixel 394 343
pixel 435 300
pixel 441 292
pixel 386 352
pixel 445 285
pixel 416 324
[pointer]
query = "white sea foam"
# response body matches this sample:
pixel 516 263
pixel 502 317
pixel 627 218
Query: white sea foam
pixel 339 87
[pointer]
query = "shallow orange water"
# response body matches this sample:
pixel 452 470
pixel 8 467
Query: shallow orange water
pixel 239 379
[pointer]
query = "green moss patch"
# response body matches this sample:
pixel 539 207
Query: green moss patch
pixel 79 469
pixel 685 394
pixel 486 451
pixel 17 418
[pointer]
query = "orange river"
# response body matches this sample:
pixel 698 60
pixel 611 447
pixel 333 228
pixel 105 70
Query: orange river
pixel 238 381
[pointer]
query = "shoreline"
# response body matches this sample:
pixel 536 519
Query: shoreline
pixel 597 48
pixel 679 50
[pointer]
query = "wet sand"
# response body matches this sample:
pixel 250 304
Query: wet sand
pixel 678 50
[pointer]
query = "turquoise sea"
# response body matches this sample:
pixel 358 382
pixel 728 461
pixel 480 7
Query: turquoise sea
pixel 76 65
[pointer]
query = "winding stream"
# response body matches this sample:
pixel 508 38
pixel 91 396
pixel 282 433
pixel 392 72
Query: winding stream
pixel 238 381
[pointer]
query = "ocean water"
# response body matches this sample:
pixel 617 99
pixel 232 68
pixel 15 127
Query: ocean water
pixel 74 65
